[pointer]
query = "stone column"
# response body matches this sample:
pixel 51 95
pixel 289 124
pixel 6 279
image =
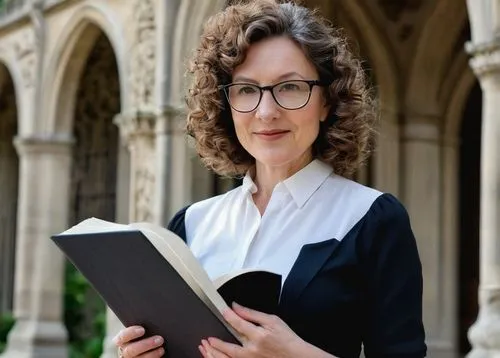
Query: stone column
pixel 422 195
pixel 175 169
pixel 138 133
pixel 39 332
pixel 386 161
pixel 448 304
pixel 484 335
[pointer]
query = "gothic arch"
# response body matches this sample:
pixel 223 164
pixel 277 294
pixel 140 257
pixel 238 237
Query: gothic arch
pixel 68 61
pixel 457 102
pixel 15 74
pixel 191 17
pixel 435 50
pixel 382 60
pixel 381 57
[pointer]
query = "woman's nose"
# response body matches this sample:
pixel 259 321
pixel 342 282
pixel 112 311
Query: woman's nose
pixel 268 108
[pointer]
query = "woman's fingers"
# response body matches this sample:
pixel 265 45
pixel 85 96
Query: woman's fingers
pixel 242 326
pixel 142 347
pixel 128 334
pixel 130 347
pixel 209 352
pixel 254 316
pixel 158 352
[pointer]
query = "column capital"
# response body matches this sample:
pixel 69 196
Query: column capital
pixel 134 124
pixel 171 120
pixel 485 57
pixel 421 128
pixel 43 144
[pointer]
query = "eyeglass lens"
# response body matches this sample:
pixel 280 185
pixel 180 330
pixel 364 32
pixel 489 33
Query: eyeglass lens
pixel 245 97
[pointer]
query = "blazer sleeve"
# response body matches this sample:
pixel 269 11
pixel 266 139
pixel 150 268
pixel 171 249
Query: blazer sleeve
pixel 393 273
pixel 177 223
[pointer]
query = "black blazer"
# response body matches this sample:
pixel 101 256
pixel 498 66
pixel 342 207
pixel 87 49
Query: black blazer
pixel 364 290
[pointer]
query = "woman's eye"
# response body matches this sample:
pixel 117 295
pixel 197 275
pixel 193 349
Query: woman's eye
pixel 289 87
pixel 246 90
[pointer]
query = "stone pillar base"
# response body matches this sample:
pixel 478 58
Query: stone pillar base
pixel 37 339
pixel 484 334
pixel 480 353
pixel 441 350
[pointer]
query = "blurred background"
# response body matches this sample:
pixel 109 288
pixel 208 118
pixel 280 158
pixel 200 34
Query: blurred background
pixel 91 115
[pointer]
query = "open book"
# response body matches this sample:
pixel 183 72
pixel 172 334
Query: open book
pixel 148 276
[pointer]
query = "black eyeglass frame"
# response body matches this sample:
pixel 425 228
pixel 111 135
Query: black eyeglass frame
pixel 270 88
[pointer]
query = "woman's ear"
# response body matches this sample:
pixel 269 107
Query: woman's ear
pixel 327 105
pixel 325 112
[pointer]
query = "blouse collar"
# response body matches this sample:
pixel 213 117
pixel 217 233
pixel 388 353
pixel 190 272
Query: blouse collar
pixel 301 185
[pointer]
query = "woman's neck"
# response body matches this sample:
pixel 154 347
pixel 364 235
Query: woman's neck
pixel 267 177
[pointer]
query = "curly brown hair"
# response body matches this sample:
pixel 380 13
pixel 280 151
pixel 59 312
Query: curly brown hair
pixel 344 138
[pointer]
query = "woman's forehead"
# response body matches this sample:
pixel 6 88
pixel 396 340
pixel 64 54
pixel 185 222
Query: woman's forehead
pixel 274 59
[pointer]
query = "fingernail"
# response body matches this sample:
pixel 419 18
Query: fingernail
pixel 139 330
pixel 158 340
pixel 117 338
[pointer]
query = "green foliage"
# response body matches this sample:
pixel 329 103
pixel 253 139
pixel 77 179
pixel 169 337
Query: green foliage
pixel 84 316
pixel 6 323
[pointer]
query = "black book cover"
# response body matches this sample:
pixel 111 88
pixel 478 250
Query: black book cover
pixel 142 288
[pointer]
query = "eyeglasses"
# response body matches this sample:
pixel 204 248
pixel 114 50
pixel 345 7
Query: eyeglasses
pixel 246 97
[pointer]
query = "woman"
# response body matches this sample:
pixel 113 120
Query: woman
pixel 278 98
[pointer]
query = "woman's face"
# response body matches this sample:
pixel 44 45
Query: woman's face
pixel 275 136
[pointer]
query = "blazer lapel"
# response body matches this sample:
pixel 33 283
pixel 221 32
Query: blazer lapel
pixel 310 260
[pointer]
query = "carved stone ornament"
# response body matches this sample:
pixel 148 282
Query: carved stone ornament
pixel 143 55
pixel 144 188
pixel 25 51
pixel 485 58
pixel 138 132
pixel 134 125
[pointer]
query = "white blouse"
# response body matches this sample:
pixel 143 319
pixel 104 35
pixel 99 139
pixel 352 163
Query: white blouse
pixel 227 232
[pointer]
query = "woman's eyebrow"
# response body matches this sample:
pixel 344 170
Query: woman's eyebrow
pixel 244 79
pixel 277 79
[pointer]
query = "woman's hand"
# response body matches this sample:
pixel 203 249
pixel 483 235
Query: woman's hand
pixel 145 348
pixel 264 336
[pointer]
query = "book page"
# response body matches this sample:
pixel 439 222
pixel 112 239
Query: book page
pixel 95 225
pixel 175 250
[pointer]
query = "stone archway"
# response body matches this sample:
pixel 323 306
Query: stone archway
pixel 380 64
pixel 68 60
pixel 93 190
pixel 9 176
pixel 439 42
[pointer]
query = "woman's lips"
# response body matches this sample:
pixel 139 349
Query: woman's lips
pixel 272 135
